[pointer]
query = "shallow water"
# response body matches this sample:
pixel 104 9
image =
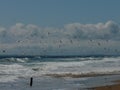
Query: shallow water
pixel 48 83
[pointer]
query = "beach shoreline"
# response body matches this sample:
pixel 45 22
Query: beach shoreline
pixel 108 87
pixel 111 81
pixel 98 82
pixel 114 86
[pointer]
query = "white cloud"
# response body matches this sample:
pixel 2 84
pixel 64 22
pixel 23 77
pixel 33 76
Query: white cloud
pixel 72 38
pixel 109 30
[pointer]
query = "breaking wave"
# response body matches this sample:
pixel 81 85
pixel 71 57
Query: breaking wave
pixel 14 60
pixel 13 68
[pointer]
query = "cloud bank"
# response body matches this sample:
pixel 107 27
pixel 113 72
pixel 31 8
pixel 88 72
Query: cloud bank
pixel 74 38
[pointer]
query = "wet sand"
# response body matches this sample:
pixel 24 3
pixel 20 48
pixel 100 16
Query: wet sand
pixel 109 87
pixel 74 82
pixel 115 86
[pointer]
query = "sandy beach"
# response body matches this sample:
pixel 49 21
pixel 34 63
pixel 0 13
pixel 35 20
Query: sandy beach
pixel 115 86
pixel 109 87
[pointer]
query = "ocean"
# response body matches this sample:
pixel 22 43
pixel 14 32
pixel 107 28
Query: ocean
pixel 56 72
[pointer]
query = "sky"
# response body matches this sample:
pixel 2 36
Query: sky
pixel 58 12
pixel 59 27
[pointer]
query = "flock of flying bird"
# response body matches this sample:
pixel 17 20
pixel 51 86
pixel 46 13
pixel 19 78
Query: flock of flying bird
pixel 71 41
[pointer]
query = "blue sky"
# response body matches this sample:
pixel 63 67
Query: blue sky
pixel 60 27
pixel 58 12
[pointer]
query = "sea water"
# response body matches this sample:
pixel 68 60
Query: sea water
pixel 15 72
